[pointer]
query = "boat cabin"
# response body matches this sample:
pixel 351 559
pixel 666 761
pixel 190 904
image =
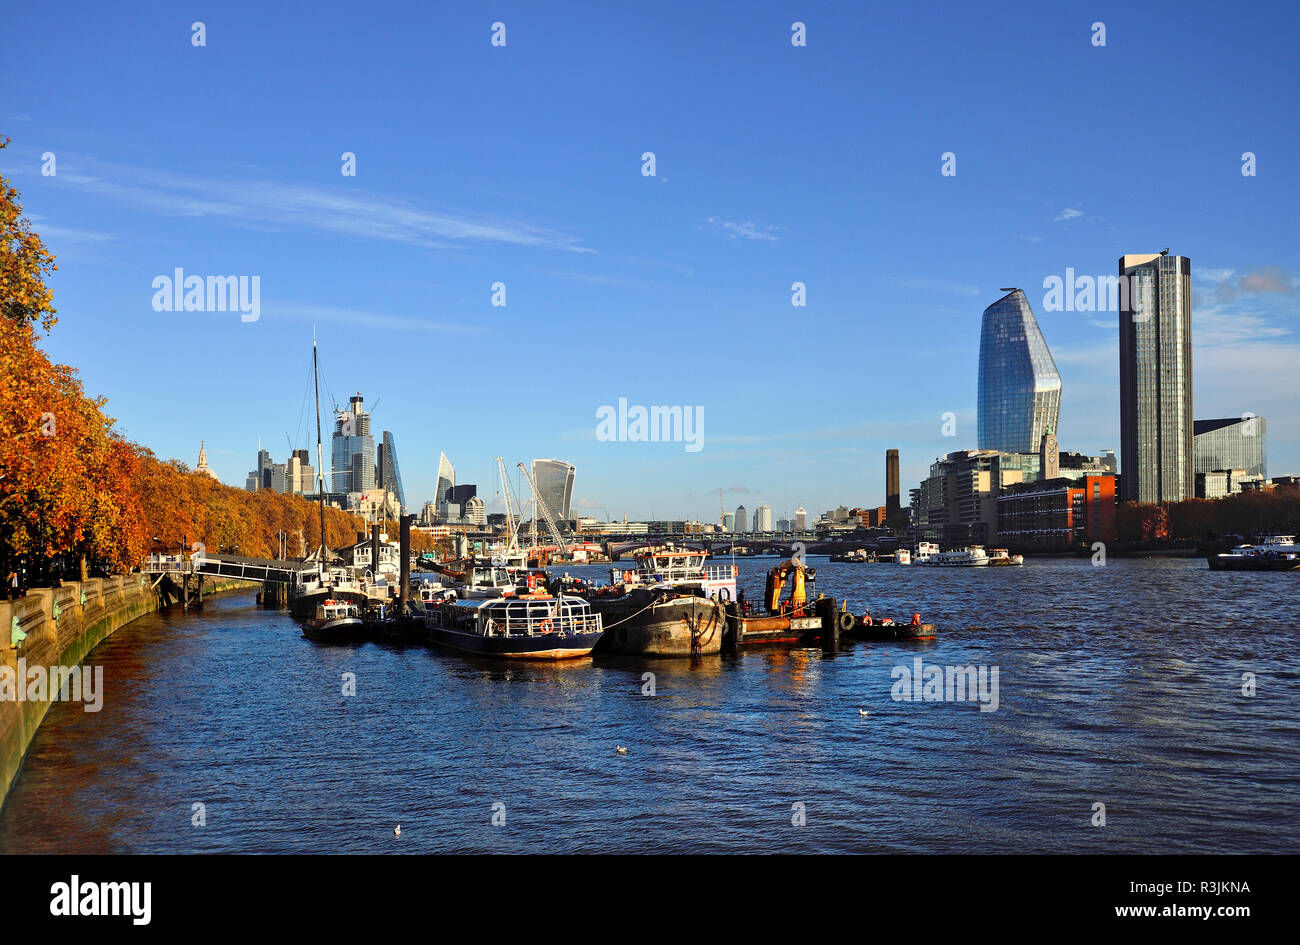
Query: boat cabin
pixel 531 615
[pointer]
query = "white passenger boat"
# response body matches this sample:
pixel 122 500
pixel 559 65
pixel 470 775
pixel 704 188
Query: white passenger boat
pixel 1001 556
pixel 973 557
pixel 1274 553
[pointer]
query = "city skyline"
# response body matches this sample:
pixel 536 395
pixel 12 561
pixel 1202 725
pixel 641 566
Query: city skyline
pixel 763 184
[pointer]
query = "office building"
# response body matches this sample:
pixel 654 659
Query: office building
pixel 741 520
pixel 763 518
pixel 446 479
pixel 1057 514
pixel 1019 395
pixel 728 522
pixel 1232 443
pixel 352 449
pixel 554 479
pixel 474 512
pixel 263 469
pixel 388 474
pixel 1155 378
pixel 800 519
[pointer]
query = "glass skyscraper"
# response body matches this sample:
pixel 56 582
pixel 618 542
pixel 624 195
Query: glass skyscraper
pixel 446 479
pixel 1157 462
pixel 352 449
pixel 1233 443
pixel 1019 389
pixel 389 473
pixel 554 480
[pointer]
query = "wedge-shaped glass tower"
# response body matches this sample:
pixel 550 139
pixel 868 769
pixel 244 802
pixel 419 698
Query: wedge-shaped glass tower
pixel 1019 387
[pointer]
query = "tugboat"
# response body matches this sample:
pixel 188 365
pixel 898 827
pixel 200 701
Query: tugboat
pixel 860 556
pixel 533 626
pixel 335 621
pixel 1275 553
pixel 799 620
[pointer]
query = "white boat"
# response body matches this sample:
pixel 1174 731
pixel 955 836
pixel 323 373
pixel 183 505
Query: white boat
pixel 902 556
pixel 334 620
pixel 1274 553
pixel 1000 556
pixel 925 550
pixel 972 557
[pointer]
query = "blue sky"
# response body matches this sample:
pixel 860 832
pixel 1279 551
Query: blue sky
pixel 774 164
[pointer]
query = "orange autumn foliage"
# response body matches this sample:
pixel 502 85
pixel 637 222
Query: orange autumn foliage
pixel 71 485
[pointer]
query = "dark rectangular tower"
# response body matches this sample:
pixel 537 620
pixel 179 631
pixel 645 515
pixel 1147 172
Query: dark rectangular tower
pixel 1157 459
pixel 892 504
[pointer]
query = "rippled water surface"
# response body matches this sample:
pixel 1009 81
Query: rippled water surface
pixel 1119 685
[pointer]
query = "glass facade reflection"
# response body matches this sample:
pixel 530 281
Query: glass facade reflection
pixel 554 480
pixel 1019 388
pixel 1155 377
pixel 1233 443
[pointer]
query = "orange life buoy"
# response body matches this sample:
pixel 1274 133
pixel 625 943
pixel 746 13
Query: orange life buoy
pixel 546 626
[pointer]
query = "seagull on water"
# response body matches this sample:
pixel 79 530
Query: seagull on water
pixel 397 831
pixel 863 712
pixel 620 749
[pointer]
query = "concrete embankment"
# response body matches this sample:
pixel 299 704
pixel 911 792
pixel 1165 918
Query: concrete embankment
pixel 62 625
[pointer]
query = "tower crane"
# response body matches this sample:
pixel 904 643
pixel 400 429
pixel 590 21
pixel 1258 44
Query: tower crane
pixel 512 538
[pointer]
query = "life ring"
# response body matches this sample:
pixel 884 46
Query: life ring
pixel 546 626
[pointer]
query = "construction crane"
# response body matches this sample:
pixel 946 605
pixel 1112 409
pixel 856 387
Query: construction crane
pixel 722 513
pixel 539 505
pixel 512 539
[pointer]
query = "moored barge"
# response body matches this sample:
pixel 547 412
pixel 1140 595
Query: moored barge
pixel 533 626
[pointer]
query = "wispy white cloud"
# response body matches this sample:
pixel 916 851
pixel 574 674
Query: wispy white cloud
pixel 343 209
pixel 301 311
pixel 747 229
pixel 1069 213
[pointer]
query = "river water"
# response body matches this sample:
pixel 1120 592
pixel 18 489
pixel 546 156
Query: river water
pixel 1119 685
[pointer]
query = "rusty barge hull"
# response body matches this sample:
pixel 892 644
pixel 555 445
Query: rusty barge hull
pixel 779 631
pixel 638 625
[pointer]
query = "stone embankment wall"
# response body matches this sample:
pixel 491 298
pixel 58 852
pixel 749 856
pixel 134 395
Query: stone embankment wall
pixel 62 625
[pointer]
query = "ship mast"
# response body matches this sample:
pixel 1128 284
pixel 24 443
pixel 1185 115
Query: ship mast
pixel 320 456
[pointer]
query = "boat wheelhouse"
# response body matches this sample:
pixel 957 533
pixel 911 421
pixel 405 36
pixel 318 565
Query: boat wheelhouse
pixel 924 552
pixel 532 626
pixel 678 567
